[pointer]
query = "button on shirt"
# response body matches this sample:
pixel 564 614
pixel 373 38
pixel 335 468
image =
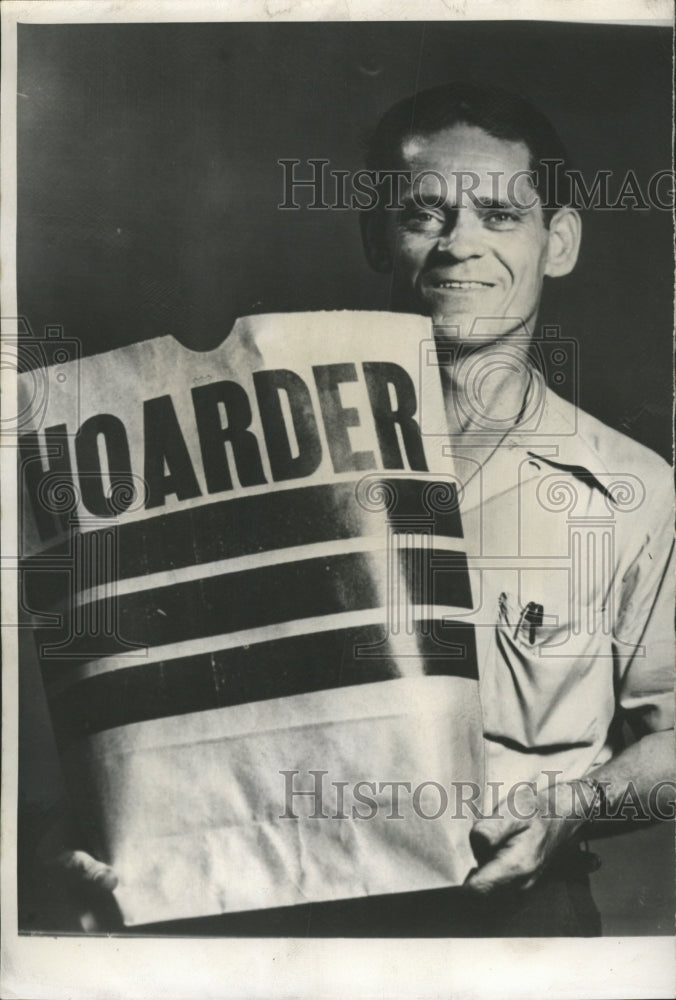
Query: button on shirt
pixel 569 535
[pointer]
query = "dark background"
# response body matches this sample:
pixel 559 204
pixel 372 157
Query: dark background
pixel 149 181
pixel 147 205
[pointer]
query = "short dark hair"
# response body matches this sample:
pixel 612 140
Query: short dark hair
pixel 500 113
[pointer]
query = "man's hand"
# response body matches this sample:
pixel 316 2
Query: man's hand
pixel 78 887
pixel 515 845
pixel 81 868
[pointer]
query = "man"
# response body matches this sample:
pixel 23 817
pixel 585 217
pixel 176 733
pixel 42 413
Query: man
pixel 568 650
pixel 476 264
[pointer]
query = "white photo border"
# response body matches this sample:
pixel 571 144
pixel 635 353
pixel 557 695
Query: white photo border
pixel 60 967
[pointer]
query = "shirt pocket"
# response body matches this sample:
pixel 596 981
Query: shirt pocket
pixel 544 689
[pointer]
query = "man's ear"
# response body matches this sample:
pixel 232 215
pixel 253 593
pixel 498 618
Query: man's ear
pixel 374 239
pixel 565 234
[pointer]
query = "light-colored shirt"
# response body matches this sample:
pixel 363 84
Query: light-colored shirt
pixel 569 531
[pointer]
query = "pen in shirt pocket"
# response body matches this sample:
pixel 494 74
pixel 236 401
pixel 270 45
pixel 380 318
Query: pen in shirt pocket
pixel 530 619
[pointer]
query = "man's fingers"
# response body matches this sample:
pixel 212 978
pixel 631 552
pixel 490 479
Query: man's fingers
pixel 495 875
pixel 510 866
pixel 82 867
pixel 486 836
pixel 55 853
pixel 482 848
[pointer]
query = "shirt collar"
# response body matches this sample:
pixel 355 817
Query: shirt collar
pixel 551 431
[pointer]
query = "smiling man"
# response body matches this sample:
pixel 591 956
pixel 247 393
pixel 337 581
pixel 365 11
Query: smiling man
pixel 475 234
pixel 461 252
pixel 573 618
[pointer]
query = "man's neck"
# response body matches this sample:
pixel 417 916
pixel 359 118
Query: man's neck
pixel 485 385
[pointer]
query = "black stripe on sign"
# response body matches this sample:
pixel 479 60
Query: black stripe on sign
pixel 255 598
pixel 277 669
pixel 244 525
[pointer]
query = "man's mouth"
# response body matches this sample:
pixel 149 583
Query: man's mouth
pixel 461 285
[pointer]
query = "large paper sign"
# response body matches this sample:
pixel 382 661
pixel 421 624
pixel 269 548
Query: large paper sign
pixel 251 589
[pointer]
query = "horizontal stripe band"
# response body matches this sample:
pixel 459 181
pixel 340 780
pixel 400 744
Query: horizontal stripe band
pixel 58 675
pixel 240 526
pixel 279 669
pixel 255 598
pixel 320 550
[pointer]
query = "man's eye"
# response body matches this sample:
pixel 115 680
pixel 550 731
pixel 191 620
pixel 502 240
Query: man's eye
pixel 421 220
pixel 501 220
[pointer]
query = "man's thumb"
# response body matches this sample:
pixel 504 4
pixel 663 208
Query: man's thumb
pixel 484 837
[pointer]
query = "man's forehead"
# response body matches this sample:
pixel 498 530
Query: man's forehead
pixel 465 148
pixel 463 165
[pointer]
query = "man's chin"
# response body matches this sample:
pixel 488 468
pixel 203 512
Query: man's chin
pixel 470 327
pixel 449 319
pixel 456 326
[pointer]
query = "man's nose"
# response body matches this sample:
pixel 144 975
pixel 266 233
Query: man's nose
pixel 461 237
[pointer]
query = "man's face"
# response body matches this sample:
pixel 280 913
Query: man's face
pixel 471 259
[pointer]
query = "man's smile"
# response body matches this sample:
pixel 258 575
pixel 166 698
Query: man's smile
pixel 458 284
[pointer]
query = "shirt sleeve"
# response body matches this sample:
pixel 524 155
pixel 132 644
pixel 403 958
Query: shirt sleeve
pixel 643 639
